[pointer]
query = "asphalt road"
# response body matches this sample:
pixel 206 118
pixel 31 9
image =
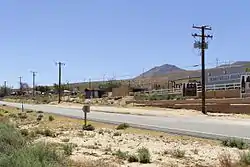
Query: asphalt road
pixel 206 127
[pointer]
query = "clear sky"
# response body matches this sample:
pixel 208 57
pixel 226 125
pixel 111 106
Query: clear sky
pixel 114 37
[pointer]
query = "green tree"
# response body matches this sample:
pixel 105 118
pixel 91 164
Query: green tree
pixel 4 91
pixel 56 87
pixel 43 88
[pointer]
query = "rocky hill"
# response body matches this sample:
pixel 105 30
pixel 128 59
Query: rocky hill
pixel 161 70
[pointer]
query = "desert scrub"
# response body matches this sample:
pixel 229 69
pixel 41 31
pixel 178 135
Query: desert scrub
pixel 51 118
pixel 117 134
pixel 24 132
pixel 177 153
pixel 121 154
pixel 22 115
pixel 238 143
pixel 10 139
pixel 144 155
pixel 88 127
pixel 48 132
pixel 65 140
pixel 122 126
pixel 38 155
pixel 133 158
pixel 39 117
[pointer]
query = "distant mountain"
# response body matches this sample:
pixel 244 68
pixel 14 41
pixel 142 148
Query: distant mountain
pixel 161 70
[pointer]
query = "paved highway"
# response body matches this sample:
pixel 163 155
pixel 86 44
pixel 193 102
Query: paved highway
pixel 206 127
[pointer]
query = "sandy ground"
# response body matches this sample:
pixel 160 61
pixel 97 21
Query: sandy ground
pixel 100 144
pixel 152 111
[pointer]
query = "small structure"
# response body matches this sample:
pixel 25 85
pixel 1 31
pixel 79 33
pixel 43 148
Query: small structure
pixel 93 93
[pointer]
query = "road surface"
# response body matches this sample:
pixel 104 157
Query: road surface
pixel 206 127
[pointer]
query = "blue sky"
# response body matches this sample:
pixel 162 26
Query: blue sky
pixel 114 37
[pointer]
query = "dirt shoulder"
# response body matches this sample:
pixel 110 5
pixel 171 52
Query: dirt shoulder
pixel 107 145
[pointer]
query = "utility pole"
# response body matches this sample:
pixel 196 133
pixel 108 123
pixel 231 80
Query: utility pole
pixel 20 83
pixel 217 62
pixel 202 45
pixel 5 88
pixel 34 82
pixel 60 64
pixel 103 79
pixel 21 91
pixel 90 88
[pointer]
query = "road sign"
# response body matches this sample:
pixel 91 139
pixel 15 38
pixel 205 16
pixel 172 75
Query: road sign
pixel 86 108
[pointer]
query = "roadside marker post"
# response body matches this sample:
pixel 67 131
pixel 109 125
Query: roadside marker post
pixel 22 107
pixel 86 109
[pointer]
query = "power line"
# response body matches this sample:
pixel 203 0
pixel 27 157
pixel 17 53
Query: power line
pixel 33 81
pixel 60 64
pixel 202 45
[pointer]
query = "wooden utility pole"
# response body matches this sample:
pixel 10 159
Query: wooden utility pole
pixel 34 82
pixel 21 91
pixel 21 85
pixel 202 45
pixel 5 88
pixel 60 64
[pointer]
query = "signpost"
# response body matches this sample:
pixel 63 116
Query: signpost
pixel 85 109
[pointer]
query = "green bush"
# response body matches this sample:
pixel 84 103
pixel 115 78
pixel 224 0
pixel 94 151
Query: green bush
pixel 121 155
pixel 51 118
pixel 39 155
pixel 240 144
pixel 122 126
pixel 39 112
pixel 144 155
pixel 10 139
